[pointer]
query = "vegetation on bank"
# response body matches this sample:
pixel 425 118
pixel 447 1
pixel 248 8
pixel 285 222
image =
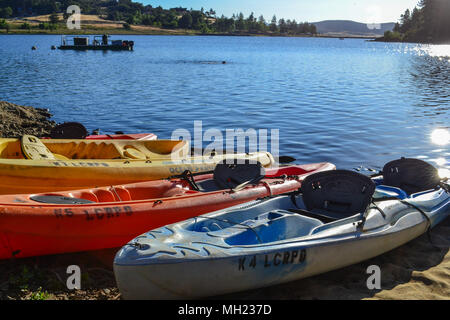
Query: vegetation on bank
pixel 129 14
pixel 427 23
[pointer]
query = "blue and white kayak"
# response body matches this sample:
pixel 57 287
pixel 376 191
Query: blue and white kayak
pixel 333 223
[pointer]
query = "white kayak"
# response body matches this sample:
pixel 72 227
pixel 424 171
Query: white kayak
pixel 340 218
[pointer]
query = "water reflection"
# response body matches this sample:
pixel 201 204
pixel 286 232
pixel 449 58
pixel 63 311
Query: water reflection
pixel 431 75
pixel 444 173
pixel 441 51
pixel 440 137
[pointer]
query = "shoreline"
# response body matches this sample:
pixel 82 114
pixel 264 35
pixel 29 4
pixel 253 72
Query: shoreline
pixel 177 32
pixel 171 32
pixel 131 33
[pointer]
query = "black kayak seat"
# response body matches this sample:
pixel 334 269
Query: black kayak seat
pixel 337 194
pixel 60 200
pixel 411 175
pixel 69 130
pixel 230 175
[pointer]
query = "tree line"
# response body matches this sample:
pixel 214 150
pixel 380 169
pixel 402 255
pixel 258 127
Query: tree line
pixel 428 22
pixel 134 13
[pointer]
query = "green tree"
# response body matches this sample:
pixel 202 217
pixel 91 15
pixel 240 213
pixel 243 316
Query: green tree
pixel 406 21
pixel 3 24
pixel 54 18
pixel 198 19
pixel 6 12
pixel 273 24
pixel 25 26
pixel 240 22
pixel 283 26
pixel 262 26
pixel 428 23
pixel 185 21
pixel 147 19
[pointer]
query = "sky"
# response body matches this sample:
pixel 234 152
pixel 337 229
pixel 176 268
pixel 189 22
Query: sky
pixel 367 11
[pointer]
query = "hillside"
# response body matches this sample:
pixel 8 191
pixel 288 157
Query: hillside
pixel 131 14
pixel 91 24
pixel 351 27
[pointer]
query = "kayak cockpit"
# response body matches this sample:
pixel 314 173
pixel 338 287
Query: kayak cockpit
pixel 137 192
pixel 332 201
pixel 273 226
pixel 294 216
pixel 29 147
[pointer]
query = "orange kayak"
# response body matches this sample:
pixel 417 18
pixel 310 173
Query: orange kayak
pixel 109 217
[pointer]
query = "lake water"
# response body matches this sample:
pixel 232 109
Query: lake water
pixel 353 102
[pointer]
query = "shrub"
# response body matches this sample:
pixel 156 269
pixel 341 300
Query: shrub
pixel 25 26
pixel 48 26
pixel 6 12
pixel 3 24
pixel 393 36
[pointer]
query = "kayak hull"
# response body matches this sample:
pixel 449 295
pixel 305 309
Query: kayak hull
pixel 119 213
pixel 182 261
pixel 91 163
pixel 43 176
pixel 217 277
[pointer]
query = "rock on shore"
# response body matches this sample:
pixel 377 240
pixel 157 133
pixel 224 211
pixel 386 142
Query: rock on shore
pixel 19 120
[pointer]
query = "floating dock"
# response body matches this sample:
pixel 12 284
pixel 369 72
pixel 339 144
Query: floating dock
pixel 98 43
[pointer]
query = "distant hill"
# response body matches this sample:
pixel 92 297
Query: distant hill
pixel 352 27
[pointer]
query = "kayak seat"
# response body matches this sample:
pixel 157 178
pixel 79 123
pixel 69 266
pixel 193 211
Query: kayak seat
pixel 229 176
pixel 69 130
pixel 120 194
pixel 133 153
pixel 34 149
pixel 410 175
pixel 334 195
pixel 209 185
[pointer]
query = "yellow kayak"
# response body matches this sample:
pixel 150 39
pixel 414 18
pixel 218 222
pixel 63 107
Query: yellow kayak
pixel 31 165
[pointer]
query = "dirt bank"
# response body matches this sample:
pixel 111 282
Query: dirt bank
pixel 19 120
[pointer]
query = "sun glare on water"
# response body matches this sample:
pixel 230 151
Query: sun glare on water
pixel 439 51
pixel 440 137
pixel 444 173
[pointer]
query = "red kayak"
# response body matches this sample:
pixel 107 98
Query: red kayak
pixel 75 130
pixel 109 217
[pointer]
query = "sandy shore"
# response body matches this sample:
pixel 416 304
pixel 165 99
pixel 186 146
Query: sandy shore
pixel 418 270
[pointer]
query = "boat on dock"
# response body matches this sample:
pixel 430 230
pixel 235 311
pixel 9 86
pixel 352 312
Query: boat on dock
pixel 98 43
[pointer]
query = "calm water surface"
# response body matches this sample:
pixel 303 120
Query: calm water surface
pixel 353 102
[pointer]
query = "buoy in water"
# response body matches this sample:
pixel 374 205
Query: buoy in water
pixel 33 48
pixel 53 47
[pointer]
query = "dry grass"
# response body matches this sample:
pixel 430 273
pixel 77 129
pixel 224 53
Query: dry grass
pixel 90 24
